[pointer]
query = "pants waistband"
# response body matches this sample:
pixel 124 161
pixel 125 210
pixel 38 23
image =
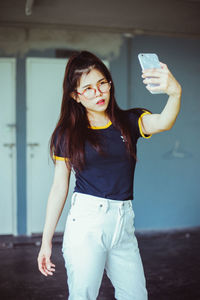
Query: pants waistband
pixel 84 199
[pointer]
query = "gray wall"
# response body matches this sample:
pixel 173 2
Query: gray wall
pixel 166 186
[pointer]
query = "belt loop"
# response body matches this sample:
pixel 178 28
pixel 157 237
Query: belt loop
pixel 73 198
pixel 121 209
pixel 107 205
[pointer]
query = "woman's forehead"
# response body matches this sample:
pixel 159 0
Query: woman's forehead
pixel 91 78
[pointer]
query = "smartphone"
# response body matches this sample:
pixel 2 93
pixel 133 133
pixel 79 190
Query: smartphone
pixel 150 61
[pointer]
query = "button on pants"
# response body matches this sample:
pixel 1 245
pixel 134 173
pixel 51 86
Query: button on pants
pixel 99 234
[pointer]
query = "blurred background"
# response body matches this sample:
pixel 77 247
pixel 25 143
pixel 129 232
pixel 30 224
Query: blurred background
pixel 36 40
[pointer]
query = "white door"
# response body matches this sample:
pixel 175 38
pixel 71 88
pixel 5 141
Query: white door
pixel 7 147
pixel 44 79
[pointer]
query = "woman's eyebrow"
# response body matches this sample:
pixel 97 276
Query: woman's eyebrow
pixel 91 84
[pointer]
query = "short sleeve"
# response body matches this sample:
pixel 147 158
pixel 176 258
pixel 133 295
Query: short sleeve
pixel 135 117
pixel 58 153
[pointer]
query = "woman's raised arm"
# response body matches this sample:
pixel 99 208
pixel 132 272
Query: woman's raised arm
pixel 154 123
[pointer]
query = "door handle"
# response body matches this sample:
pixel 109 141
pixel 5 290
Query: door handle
pixel 11 125
pixel 33 144
pixel 9 145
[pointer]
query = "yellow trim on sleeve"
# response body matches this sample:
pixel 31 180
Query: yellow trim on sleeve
pixel 140 125
pixel 59 158
pixel 101 127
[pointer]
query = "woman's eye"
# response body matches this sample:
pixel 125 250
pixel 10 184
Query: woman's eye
pixel 88 88
pixel 103 83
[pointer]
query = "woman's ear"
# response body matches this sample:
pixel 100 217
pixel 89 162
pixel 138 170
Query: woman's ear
pixel 75 96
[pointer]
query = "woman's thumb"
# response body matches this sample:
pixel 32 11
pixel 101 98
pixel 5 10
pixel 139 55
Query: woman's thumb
pixel 48 262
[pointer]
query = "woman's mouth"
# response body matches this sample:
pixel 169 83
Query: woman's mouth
pixel 101 102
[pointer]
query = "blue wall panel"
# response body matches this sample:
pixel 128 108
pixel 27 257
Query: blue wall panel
pixel 167 186
pixel 119 68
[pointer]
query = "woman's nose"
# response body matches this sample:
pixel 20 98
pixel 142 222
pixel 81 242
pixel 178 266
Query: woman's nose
pixel 98 92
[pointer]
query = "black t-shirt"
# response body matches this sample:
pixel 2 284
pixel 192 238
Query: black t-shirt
pixel 111 175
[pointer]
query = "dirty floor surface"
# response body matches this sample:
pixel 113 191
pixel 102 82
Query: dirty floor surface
pixel 171 262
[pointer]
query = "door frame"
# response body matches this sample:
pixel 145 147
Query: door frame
pixel 12 61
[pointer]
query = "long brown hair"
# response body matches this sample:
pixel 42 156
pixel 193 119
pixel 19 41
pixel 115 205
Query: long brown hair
pixel 72 129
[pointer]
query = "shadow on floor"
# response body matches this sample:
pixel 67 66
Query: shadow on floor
pixel 171 263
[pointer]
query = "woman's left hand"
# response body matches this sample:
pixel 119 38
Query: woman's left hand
pixel 167 83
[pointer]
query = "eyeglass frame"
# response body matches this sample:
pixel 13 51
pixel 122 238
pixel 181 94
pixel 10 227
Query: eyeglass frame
pixel 95 89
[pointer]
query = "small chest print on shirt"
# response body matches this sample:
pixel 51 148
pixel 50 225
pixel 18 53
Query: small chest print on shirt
pixel 122 138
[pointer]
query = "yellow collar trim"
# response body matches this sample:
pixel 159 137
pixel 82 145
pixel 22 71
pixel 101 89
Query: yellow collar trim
pixel 101 127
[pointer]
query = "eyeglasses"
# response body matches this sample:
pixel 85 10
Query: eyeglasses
pixel 89 92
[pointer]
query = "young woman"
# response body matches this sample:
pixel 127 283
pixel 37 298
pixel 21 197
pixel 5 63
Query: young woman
pixel 97 140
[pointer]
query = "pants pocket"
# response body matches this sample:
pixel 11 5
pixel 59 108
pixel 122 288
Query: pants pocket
pixel 79 225
pixel 129 227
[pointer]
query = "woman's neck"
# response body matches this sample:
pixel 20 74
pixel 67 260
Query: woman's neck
pixel 98 119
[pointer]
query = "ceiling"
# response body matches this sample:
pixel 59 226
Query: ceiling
pixel 172 18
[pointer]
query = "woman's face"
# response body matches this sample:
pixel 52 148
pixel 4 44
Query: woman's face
pixel 93 91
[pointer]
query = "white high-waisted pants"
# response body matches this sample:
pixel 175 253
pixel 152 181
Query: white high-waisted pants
pixel 99 234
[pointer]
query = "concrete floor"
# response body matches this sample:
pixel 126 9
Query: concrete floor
pixel 171 263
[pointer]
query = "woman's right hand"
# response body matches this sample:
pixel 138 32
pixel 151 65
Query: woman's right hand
pixel 45 265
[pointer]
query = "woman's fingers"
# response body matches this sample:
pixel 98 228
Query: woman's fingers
pixel 41 265
pixel 152 73
pixel 164 66
pixel 154 80
pixel 156 72
pixel 45 266
pixel 49 267
pixel 154 88
pixel 163 78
